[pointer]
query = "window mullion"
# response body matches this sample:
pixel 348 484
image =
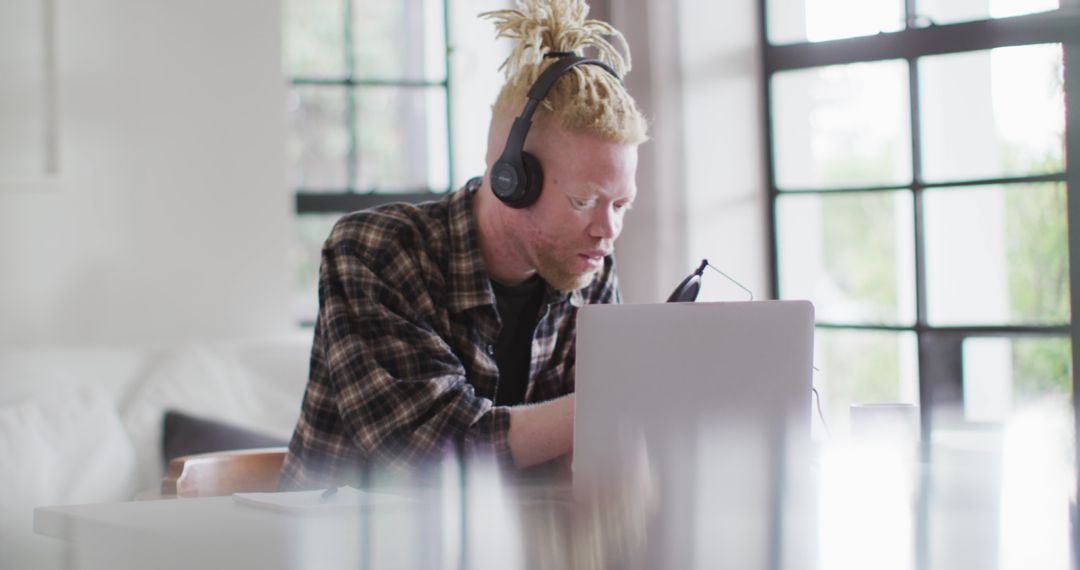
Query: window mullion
pixel 925 387
pixel 1048 27
pixel 350 102
pixel 1072 188
pixel 449 106
pixel 769 157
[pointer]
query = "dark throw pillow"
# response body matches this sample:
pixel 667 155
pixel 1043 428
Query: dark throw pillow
pixel 184 434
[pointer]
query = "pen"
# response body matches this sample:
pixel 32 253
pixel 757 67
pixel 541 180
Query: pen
pixel 328 494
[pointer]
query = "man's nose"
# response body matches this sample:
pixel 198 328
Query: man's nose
pixel 606 223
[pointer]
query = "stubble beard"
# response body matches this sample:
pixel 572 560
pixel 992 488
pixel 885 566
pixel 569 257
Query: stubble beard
pixel 557 272
pixel 559 275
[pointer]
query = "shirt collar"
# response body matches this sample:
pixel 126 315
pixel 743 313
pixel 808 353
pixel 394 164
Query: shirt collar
pixel 553 296
pixel 469 283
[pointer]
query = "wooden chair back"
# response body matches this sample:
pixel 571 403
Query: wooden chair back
pixel 224 473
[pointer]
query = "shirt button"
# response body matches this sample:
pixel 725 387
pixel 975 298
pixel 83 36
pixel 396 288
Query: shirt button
pixel 491 349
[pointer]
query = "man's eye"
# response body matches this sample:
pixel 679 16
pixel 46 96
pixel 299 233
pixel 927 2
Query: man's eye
pixel 580 203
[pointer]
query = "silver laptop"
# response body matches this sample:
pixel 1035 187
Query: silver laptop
pixel 712 402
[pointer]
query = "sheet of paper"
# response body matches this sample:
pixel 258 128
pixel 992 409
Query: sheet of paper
pixel 344 500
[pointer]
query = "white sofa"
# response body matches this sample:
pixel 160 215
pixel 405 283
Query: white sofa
pixel 83 424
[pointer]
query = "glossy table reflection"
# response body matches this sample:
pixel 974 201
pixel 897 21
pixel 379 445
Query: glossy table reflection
pixel 971 498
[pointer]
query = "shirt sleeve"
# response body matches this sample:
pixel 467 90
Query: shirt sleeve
pixel 401 391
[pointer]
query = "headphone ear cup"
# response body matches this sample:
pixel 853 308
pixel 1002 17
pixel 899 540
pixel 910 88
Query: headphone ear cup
pixel 506 182
pixel 534 180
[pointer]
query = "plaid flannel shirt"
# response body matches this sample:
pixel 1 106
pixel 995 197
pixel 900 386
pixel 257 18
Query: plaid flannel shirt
pixel 402 364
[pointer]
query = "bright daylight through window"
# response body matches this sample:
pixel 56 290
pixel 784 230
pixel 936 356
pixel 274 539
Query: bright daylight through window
pixel 918 181
pixel 368 114
pixel 920 191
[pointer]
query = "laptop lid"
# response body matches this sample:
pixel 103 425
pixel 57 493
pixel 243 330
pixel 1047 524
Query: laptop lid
pixel 715 399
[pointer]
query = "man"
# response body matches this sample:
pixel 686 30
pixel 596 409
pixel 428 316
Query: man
pixel 451 323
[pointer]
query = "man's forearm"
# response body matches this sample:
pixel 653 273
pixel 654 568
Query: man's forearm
pixel 542 432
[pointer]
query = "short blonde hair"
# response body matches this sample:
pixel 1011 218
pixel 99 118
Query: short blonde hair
pixel 587 99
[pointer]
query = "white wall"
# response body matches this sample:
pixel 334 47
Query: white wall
pixel 727 200
pixel 170 219
pixel 475 58
pixel 701 177
pixel 651 251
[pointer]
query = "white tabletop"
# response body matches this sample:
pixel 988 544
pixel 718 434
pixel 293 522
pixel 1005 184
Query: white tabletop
pixel 870 507
pixel 432 528
pixel 217 532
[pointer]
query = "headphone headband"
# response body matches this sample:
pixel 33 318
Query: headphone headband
pixel 514 181
pixel 561 66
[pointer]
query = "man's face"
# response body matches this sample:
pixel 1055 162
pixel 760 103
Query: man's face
pixel 588 187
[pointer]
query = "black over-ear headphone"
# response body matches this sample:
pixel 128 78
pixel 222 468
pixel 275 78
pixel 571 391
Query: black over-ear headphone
pixel 516 178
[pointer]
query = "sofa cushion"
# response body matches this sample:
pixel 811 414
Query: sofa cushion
pixel 185 434
pixel 29 372
pixel 65 448
pixel 211 381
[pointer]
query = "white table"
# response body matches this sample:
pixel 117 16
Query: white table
pixel 442 528
pixel 218 533
pixel 871 511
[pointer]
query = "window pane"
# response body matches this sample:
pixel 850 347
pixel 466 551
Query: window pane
pixel 842 126
pixel 1008 480
pixel 305 256
pixel 995 113
pixel 314 38
pixel 794 21
pixel 852 254
pixel 863 367
pixel 318 138
pixel 1005 374
pixel 404 39
pixel 401 134
pixel 950 11
pixel 997 255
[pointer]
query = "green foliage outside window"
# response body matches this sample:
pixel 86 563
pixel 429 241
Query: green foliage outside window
pixel 1041 367
pixel 860 250
pixel 862 367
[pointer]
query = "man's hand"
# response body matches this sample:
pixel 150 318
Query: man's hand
pixel 541 432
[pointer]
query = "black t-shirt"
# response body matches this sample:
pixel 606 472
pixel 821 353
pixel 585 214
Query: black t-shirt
pixel 519 308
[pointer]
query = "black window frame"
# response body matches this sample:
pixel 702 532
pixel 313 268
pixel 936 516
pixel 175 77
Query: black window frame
pixel 939 347
pixel 350 198
pixel 940 366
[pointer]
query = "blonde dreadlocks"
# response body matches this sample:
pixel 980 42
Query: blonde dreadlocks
pixel 585 100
